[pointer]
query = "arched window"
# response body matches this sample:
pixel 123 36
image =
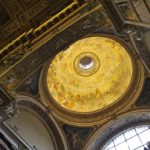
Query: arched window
pixel 134 138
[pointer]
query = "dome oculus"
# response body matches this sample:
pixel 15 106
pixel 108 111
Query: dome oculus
pixel 86 63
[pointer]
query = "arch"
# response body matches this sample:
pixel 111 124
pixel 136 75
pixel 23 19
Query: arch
pixel 123 122
pixel 37 128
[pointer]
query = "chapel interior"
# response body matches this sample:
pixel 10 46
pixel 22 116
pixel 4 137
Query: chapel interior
pixel 74 74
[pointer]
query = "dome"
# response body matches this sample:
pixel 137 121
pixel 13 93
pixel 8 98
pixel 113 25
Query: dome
pixel 90 75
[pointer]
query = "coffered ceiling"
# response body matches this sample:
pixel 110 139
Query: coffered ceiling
pixel 19 16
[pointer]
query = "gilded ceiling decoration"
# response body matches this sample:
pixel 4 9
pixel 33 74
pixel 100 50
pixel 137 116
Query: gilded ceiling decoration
pixel 22 16
pixel 91 74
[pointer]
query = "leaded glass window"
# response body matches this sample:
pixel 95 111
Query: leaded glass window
pixel 134 138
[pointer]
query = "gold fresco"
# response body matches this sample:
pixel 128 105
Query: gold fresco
pixel 90 93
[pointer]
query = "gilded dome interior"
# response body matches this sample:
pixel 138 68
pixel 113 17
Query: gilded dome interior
pixel 90 75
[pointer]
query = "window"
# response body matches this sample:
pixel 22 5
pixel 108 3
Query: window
pixel 135 138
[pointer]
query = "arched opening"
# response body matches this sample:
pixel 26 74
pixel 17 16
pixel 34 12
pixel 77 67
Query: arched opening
pixel 134 138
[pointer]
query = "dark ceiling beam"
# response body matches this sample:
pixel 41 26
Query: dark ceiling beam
pixel 114 14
